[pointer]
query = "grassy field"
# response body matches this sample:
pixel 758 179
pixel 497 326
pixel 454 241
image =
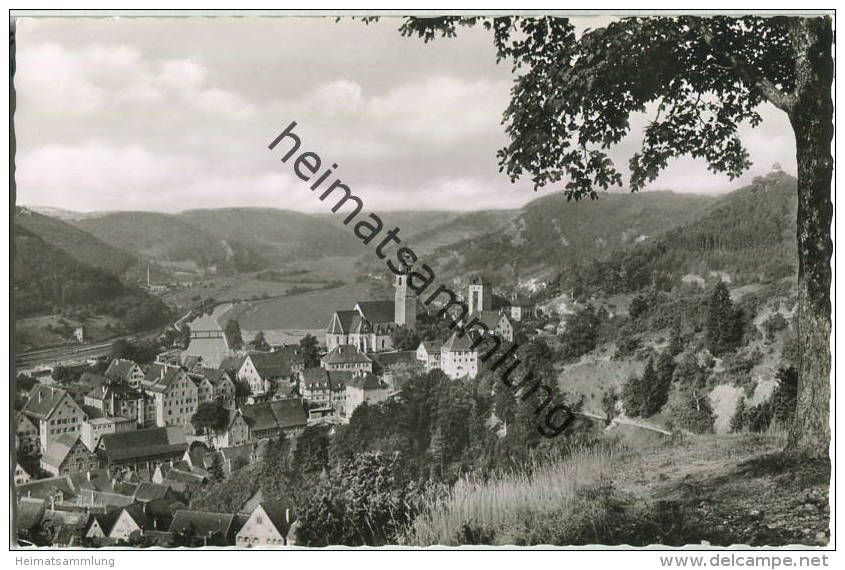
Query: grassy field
pixel 306 273
pixel 719 490
pixel 52 330
pixel 311 310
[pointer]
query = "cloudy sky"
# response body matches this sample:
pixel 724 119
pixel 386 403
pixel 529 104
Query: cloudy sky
pixel 170 114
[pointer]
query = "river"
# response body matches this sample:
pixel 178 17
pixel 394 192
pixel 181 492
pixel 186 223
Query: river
pixel 212 350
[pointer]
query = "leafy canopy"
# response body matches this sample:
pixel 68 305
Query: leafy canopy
pixel 572 96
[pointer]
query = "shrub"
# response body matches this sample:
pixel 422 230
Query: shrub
pixel 691 411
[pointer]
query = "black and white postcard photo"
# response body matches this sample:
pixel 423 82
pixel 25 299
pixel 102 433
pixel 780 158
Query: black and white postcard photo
pixel 412 280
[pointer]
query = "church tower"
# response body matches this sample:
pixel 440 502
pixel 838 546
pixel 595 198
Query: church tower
pixel 480 295
pixel 405 303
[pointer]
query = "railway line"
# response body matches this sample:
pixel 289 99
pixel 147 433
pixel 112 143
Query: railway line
pixel 60 354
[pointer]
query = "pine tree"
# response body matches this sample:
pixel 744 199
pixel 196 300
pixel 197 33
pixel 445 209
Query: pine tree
pixel 739 418
pixel 632 395
pixel 215 470
pixel 724 323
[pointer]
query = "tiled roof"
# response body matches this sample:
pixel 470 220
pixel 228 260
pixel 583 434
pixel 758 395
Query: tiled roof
pixel 274 510
pixel 276 513
pixel 272 364
pixel 154 372
pixel 143 443
pixel 190 361
pixel 489 318
pixel 368 381
pixel 120 391
pixel 126 488
pixel 346 354
pixel 46 488
pixel 457 343
pixel 91 380
pixel 432 346
pixel 120 368
pixel 59 448
pixel 315 378
pixel 186 477
pixel 275 414
pixel 230 453
pixel 378 311
pixel 361 326
pixel 386 359
pixel 321 379
pixel 108 519
pixel 232 364
pixel 148 491
pixel 214 375
pixel 43 400
pixel 30 512
pixel 342 322
pixel 99 481
pixel 204 523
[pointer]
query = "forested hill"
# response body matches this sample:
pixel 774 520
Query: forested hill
pixel 748 235
pixel 169 240
pixel 47 279
pixel 76 242
pixel 280 234
pixel 551 233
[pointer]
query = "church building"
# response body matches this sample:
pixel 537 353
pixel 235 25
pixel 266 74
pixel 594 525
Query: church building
pixel 369 324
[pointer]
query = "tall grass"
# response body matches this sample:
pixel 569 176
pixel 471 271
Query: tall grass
pixel 487 511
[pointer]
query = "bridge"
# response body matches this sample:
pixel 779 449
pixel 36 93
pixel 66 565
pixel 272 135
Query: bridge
pixel 207 334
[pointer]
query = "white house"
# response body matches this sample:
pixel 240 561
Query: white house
pixel 457 357
pixel 267 525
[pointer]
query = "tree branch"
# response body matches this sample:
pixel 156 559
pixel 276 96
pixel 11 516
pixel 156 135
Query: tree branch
pixel 781 100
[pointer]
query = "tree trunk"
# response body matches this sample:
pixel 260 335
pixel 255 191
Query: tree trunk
pixel 812 121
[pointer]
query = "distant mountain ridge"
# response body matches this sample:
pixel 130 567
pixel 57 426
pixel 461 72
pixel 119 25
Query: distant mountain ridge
pixel 171 241
pixel 78 243
pixel 551 233
pixel 47 280
pixel 748 235
pixel 281 234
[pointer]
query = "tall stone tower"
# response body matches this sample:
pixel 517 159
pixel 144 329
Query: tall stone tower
pixel 405 303
pixel 480 295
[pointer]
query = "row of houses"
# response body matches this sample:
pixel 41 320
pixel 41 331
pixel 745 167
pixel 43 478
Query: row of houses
pixel 57 511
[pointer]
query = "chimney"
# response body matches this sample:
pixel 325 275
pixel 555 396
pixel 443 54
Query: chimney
pixel 287 516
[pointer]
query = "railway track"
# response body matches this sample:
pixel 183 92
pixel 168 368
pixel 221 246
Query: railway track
pixel 69 353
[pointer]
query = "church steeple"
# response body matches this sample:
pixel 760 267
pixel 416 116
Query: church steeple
pixel 404 303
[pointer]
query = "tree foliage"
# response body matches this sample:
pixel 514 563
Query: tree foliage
pixel 260 343
pixel 210 417
pixel 232 330
pixel 369 506
pixel 404 338
pixel 309 349
pixel 581 333
pixel 724 322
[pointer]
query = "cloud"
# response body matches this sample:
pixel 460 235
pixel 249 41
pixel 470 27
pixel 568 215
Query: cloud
pixel 177 113
pixel 115 81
